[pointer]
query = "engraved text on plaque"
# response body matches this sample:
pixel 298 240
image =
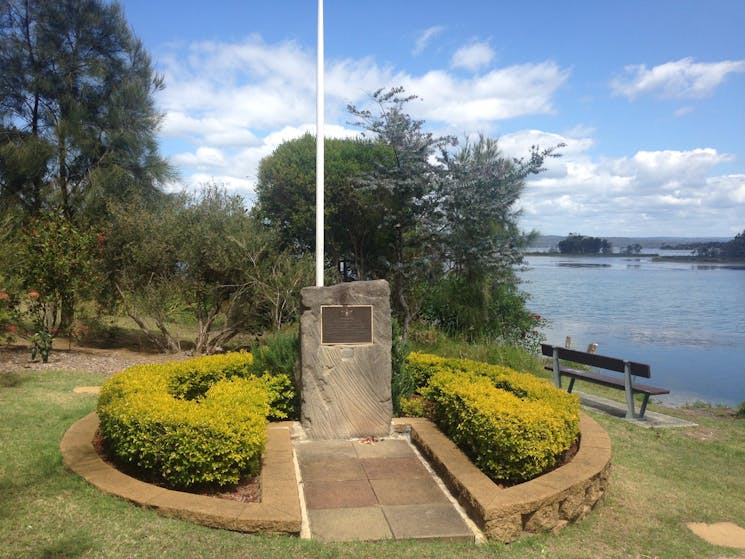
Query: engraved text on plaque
pixel 346 324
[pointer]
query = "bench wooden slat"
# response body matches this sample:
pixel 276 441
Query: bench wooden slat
pixel 613 382
pixel 600 361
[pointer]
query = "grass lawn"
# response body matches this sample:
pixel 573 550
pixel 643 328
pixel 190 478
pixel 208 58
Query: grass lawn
pixel 660 480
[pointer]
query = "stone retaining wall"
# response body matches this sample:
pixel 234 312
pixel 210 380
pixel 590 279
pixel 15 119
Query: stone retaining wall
pixel 277 513
pixel 547 503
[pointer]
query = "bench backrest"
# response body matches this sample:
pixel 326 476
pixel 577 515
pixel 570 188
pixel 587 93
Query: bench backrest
pixel 600 361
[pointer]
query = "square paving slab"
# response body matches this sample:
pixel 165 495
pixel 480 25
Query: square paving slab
pixel 405 467
pixel 338 494
pixel 408 491
pixel 440 522
pixel 349 524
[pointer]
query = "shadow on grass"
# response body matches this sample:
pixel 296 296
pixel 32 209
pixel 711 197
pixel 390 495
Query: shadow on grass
pixel 11 380
pixel 73 545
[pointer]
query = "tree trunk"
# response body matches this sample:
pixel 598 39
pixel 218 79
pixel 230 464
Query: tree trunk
pixel 67 312
pixel 163 341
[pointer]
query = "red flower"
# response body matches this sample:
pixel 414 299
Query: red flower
pixel 33 294
pixel 53 331
pixel 4 295
pixel 11 328
pixel 101 238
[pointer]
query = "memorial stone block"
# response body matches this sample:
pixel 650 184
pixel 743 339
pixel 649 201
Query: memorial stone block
pixel 345 360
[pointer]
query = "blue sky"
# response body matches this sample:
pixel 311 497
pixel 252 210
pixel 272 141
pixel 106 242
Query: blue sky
pixel 647 95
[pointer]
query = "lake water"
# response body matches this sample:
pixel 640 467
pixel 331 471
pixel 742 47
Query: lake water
pixel 686 320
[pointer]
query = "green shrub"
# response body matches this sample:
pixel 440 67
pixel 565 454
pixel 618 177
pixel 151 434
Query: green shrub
pixel 277 354
pixel 214 438
pixel 513 425
pixel 402 384
pixel 741 411
pixel 275 361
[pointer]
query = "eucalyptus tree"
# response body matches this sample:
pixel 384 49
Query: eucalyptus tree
pixel 480 239
pixel 404 183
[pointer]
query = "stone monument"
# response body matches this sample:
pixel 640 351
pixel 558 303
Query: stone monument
pixel 345 360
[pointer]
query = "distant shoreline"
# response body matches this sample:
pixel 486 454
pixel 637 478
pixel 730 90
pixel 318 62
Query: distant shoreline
pixel 648 256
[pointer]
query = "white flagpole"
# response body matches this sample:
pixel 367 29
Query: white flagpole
pixel 319 150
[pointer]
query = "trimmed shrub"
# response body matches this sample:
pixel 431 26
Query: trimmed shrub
pixel 512 425
pixel 213 437
pixel 192 378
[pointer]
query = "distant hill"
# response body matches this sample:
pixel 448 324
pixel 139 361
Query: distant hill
pixel 545 242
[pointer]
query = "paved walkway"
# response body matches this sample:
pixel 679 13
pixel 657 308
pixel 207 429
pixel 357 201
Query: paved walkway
pixel 374 490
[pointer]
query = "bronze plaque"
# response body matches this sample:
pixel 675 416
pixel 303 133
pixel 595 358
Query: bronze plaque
pixel 346 324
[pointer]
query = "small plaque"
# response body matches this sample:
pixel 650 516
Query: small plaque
pixel 346 324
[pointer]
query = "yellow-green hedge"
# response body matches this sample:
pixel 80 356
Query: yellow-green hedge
pixel 514 426
pixel 213 438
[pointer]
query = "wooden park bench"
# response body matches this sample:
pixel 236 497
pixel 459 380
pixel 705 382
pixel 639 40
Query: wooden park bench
pixel 630 369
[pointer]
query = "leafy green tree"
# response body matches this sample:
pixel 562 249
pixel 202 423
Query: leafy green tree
pixel 286 201
pixel 179 259
pixel 438 230
pixel 405 185
pixel 482 242
pixel 55 263
pixel 201 258
pixel 477 200
pixel 77 116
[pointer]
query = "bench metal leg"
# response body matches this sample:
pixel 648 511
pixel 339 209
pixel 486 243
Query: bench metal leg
pixel 629 391
pixel 557 376
pixel 644 405
pixel 571 384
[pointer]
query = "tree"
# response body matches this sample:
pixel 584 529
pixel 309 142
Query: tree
pixel 481 241
pixel 201 258
pixel 76 106
pixel 286 201
pixel 580 244
pixel 55 263
pixel 636 248
pixel 405 184
pixel 441 227
pixel 477 197
pixel 77 117
pixel 736 247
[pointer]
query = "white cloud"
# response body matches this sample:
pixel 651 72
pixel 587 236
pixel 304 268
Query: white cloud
pixel 235 102
pixel 680 79
pixel 425 37
pixel 525 89
pixel 203 158
pixel 518 144
pixel 671 191
pixel 472 57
